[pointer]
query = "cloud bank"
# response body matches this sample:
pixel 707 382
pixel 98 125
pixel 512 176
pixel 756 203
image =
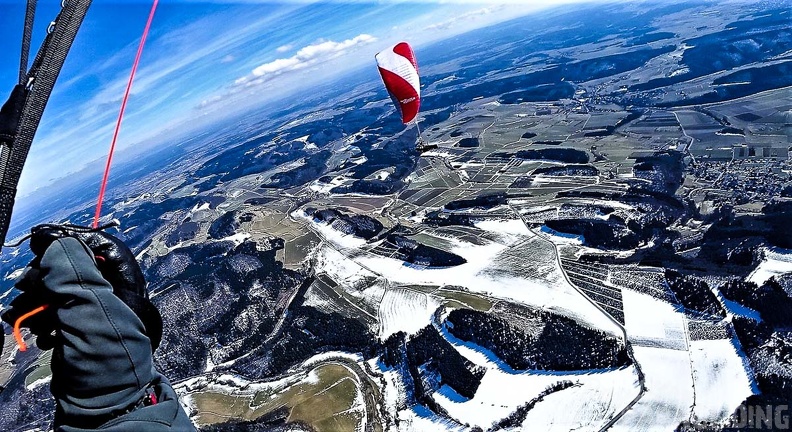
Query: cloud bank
pixel 307 56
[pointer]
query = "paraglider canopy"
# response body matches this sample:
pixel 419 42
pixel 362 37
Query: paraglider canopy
pixel 399 72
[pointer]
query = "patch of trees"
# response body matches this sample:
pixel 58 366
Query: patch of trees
pixel 693 293
pixel 776 216
pixel 147 217
pixel 371 187
pixel 770 354
pixel 728 233
pixel 481 201
pixel 484 201
pixel 566 155
pixel 588 194
pixel 259 201
pixel 311 331
pixel 567 170
pixel 634 114
pixel 562 345
pixel 608 130
pixel 611 233
pixel 26 409
pixel 734 252
pixel 393 349
pixel 313 168
pixel 468 142
pixel 587 208
pixel 228 224
pixel 184 232
pixel 397 155
pixel 237 288
pixel 440 218
pixel 770 300
pixel 663 170
pixel 658 209
pixel 434 118
pixel 358 225
pixel 751 333
pixel 236 162
pixel 430 352
pixel 418 253
pixel 749 117
pixel 731 130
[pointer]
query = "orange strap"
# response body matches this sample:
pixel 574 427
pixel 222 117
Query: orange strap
pixel 18 324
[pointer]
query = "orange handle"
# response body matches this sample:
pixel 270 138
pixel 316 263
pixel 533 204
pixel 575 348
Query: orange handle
pixel 18 324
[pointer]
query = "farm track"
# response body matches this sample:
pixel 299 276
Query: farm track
pixel 641 377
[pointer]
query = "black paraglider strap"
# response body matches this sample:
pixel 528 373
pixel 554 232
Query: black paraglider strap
pixel 30 14
pixel 22 113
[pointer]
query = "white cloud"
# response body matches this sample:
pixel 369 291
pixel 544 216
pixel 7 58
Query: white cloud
pixel 469 16
pixel 228 59
pixel 284 48
pixel 307 56
pixel 209 101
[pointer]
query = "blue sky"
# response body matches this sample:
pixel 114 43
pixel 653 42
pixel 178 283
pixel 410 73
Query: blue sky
pixel 204 59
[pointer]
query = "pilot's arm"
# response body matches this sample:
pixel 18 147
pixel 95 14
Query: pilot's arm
pixel 103 376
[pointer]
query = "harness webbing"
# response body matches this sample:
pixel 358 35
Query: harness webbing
pixel 30 14
pixel 21 114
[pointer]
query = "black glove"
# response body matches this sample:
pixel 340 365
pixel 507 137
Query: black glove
pixel 42 324
pixel 114 260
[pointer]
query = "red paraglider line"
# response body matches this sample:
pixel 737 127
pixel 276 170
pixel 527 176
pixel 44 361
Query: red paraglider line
pixel 18 326
pixel 103 187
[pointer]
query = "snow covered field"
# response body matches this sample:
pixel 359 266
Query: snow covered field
pixel 348 264
pixel 344 271
pixel 339 239
pixel 405 310
pixel 704 380
pixel 775 263
pixel 669 391
pixel 720 376
pixel 551 292
pixel 585 407
pixel 658 333
pixel 653 322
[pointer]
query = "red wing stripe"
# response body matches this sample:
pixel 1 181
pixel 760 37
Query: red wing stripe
pixel 404 50
pixel 403 92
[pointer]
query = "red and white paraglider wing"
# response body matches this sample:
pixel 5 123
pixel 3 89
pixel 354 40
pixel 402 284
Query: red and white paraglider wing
pixel 399 72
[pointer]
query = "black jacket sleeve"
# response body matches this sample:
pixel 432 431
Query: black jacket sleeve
pixel 103 376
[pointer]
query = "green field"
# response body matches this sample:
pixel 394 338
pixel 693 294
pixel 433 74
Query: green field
pixel 326 400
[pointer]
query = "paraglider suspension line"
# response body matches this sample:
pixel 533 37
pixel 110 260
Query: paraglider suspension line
pixel 103 186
